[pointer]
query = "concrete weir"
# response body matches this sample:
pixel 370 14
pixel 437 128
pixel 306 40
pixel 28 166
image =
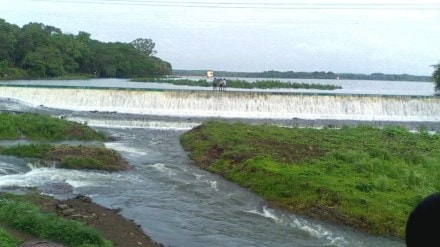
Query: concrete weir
pixel 258 105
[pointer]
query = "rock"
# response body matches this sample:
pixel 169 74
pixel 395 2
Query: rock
pixel 84 198
pixel 57 188
pixel 112 138
pixel 62 206
pixel 68 212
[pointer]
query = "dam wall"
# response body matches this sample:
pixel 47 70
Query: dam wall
pixel 253 105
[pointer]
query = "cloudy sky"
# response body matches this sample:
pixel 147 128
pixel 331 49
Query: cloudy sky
pixel 353 36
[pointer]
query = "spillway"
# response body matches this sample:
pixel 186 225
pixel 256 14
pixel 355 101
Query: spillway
pixel 252 105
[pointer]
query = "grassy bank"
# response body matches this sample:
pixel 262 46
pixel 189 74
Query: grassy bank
pixel 363 177
pixel 41 127
pixel 68 157
pixel 17 213
pixel 45 128
pixel 262 84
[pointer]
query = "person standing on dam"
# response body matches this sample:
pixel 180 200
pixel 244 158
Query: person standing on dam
pixel 215 83
pixel 223 84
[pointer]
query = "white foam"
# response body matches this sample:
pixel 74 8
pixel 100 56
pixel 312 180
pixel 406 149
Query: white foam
pixel 8 168
pixel 233 104
pixel 214 185
pixel 77 178
pixel 123 148
pixel 163 169
pixel 311 229
pixel 134 124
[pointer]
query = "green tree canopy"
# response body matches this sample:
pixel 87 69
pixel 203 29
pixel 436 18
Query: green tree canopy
pixel 146 46
pixel 41 51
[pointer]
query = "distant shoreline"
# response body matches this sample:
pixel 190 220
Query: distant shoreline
pixel 308 75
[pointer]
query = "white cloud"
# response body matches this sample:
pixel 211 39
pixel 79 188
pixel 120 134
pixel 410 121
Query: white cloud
pixel 318 37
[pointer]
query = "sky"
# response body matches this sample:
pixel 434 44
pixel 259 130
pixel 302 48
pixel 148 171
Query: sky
pixel 344 36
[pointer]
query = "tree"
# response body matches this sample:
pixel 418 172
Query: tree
pixel 8 42
pixel 41 51
pixel 146 46
pixel 436 77
pixel 45 62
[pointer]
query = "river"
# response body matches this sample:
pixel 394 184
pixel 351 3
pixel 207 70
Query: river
pixel 175 203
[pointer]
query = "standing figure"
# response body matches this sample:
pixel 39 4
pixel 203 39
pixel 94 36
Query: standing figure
pixel 224 84
pixel 215 83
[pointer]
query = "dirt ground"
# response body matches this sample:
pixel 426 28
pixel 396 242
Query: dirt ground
pixel 121 231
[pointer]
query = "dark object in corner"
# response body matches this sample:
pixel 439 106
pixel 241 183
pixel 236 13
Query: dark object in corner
pixel 423 225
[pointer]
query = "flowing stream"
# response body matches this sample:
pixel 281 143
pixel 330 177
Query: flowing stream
pixel 173 201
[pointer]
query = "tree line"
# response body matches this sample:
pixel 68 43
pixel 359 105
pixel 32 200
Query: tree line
pixel 307 75
pixel 40 51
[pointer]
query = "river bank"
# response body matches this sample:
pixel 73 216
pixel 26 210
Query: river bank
pixel 363 177
pixel 40 131
pixel 108 222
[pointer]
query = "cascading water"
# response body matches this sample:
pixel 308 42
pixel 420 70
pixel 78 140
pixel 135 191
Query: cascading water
pixel 176 203
pixel 233 104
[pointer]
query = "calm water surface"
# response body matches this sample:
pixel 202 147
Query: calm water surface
pixel 348 86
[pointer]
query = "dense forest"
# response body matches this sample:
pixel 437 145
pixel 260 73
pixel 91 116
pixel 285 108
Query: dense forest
pixel 41 51
pixel 307 75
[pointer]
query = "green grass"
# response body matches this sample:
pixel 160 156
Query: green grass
pixel 262 84
pixel 364 177
pixel 26 217
pixel 81 157
pixel 92 158
pixel 7 240
pixel 30 151
pixel 43 127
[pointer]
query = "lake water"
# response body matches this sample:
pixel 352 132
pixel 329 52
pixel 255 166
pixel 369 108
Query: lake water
pixel 348 86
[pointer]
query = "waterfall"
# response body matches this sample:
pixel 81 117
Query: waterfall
pixel 252 105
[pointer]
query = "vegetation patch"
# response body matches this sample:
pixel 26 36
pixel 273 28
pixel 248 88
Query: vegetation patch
pixel 95 158
pixel 64 156
pixel 6 239
pixel 41 51
pixel 24 216
pixel 45 128
pixel 262 84
pixel 365 177
pixel 42 127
